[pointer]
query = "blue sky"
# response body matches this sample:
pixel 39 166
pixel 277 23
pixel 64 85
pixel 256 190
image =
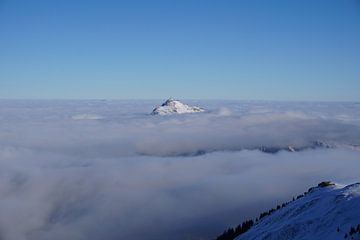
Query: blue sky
pixel 200 49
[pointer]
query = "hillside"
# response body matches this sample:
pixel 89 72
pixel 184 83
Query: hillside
pixel 328 211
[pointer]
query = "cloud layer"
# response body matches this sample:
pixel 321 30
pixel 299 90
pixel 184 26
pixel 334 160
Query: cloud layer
pixel 127 175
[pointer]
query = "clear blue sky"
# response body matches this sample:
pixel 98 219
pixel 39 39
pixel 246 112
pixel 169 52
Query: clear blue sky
pixel 224 49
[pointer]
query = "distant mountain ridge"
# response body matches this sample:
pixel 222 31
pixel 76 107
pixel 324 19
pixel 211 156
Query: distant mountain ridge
pixel 172 106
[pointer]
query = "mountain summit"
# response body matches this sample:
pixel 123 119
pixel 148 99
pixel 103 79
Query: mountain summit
pixel 172 106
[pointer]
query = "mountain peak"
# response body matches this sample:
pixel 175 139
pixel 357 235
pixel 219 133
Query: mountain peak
pixel 169 101
pixel 173 106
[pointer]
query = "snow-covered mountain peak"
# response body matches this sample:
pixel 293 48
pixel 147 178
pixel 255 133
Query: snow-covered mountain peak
pixel 172 106
pixel 169 101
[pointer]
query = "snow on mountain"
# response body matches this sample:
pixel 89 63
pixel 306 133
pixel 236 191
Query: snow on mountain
pixel 172 106
pixel 328 212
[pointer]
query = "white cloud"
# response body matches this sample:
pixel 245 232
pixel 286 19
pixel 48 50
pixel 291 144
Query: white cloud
pixel 86 117
pixel 124 177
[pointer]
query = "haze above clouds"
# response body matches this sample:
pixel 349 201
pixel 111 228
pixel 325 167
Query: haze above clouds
pixel 109 170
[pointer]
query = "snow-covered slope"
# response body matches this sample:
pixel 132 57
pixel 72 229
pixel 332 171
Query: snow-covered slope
pixel 172 106
pixel 322 213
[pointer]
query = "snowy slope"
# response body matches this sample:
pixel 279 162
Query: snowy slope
pixel 323 213
pixel 172 106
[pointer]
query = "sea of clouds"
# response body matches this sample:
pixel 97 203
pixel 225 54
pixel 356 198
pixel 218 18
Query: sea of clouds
pixel 102 169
